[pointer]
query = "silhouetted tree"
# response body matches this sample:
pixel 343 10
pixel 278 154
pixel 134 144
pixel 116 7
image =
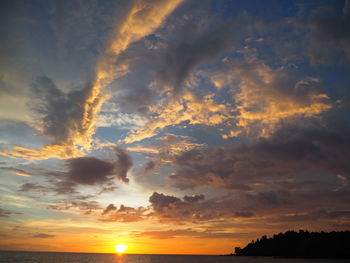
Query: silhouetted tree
pixel 303 244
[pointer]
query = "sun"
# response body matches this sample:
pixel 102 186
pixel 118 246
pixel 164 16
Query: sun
pixel 120 248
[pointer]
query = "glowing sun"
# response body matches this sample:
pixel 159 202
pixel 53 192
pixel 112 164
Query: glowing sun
pixel 120 248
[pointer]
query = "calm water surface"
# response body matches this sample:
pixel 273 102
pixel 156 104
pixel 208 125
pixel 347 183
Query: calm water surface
pixel 43 257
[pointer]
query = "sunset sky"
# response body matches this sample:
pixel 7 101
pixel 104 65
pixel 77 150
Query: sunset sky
pixel 172 126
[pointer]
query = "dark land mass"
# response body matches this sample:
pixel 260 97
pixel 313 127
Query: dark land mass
pixel 302 244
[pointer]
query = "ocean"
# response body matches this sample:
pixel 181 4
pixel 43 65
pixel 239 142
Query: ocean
pixel 52 257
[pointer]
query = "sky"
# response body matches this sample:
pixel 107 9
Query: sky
pixel 172 126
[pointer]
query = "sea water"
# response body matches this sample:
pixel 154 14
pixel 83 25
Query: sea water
pixel 52 257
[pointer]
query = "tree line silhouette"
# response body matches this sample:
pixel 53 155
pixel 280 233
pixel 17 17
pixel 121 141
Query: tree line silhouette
pixel 302 244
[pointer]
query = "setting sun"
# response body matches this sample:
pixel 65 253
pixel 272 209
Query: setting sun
pixel 120 248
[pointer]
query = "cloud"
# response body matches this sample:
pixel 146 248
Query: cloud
pixel 94 171
pixel 193 45
pixel 256 209
pixel 78 125
pixel 149 166
pixel 61 113
pixel 82 23
pixel 265 97
pixel 60 118
pixel 124 214
pixel 328 34
pixel 85 206
pixel 168 234
pixel 108 189
pixel 293 150
pixel 89 170
pixel 123 164
pixel 162 150
pixel 43 235
pixel 189 108
pixel 194 198
pixel 134 28
pixel 16 171
pixel 315 215
pixel 8 213
pixel 197 46
pixel 58 187
pixel 196 209
pixel 121 120
pixel 166 61
pixel 165 147
pixel 108 209
pixel 85 171
pixel 161 201
pixel 262 98
pixel 30 187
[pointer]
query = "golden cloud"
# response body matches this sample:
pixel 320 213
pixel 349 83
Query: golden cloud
pixel 176 111
pixel 265 97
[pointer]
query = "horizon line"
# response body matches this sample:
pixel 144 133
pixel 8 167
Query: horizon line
pixel 111 253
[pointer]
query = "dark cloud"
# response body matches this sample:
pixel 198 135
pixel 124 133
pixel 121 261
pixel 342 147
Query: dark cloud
pixel 30 187
pixel 109 208
pixel 194 46
pixel 212 209
pixel 299 167
pixel 57 187
pixel 195 208
pixel 108 189
pixel 61 113
pixel 86 171
pixel 246 214
pixel 194 198
pixel 43 235
pixel 294 149
pixel 89 170
pixel 258 208
pixel 123 164
pixel 192 209
pixel 65 187
pixel 161 201
pixel 92 170
pixel 8 213
pixel 149 166
pixel 329 33
pixel 268 199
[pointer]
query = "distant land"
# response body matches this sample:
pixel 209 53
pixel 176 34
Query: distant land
pixel 302 244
